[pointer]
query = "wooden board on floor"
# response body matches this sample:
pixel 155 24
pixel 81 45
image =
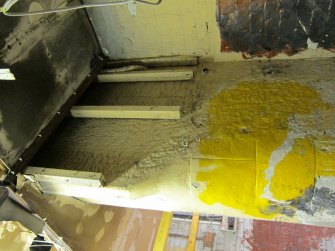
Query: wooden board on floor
pixel 51 177
pixel 192 237
pixel 163 231
pixel 126 112
pixel 148 75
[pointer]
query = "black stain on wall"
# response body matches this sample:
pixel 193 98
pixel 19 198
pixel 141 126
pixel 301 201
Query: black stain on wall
pixel 316 200
pixel 324 198
pixel 268 27
pixel 303 203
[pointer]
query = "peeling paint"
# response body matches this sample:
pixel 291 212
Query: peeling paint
pixel 276 157
pixel 319 200
pixel 252 159
pixel 324 198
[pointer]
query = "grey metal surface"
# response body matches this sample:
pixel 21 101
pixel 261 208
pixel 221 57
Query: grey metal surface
pixel 50 57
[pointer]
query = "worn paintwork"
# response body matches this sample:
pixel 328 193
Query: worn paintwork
pixel 253 155
pixel 268 27
pixel 50 56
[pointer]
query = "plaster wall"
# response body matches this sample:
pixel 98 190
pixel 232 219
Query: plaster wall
pixel 190 27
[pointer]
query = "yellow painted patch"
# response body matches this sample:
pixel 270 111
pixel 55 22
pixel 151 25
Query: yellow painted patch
pixel 295 172
pixel 245 125
pixel 232 183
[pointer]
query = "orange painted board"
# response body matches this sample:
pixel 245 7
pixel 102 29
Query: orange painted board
pixel 163 231
pixel 192 237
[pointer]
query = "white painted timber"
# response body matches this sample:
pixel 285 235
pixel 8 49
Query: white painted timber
pixel 158 61
pixel 127 112
pixel 50 179
pixel 148 75
pixel 5 74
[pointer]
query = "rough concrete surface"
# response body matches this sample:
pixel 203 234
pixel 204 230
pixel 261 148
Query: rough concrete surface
pixel 248 143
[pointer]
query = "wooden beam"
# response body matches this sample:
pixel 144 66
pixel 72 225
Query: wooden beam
pixel 148 75
pixel 163 231
pixel 192 237
pixel 51 179
pixel 126 112
pixel 3 166
pixel 157 62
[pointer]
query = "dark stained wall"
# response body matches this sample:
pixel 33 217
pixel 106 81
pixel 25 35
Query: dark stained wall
pixel 50 57
pixel 268 27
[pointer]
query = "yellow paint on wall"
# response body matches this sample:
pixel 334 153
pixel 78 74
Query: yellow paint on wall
pixel 245 125
pixel 295 172
pixel 231 183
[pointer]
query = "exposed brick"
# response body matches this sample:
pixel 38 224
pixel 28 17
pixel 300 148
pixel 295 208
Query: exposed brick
pixel 276 236
pixel 268 27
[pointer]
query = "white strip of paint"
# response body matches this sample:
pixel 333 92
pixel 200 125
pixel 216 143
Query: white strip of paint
pixel 5 74
pixel 320 217
pixel 276 157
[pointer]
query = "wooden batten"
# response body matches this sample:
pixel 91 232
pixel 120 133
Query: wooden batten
pixel 126 112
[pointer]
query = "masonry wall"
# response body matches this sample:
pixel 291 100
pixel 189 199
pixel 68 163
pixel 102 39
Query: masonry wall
pixel 219 30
